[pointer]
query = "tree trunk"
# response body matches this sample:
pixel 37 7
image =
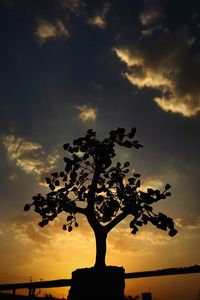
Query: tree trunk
pixel 97 284
pixel 100 239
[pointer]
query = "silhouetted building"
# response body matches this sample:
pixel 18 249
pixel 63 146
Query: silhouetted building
pixel 146 296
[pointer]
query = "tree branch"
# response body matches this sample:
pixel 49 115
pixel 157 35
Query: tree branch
pixel 116 220
pixel 91 201
pixel 81 210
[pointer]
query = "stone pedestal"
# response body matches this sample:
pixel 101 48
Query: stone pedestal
pixel 95 284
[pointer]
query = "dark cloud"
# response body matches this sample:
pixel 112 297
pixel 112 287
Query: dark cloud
pixel 74 6
pixel 190 222
pixel 68 65
pixel 164 58
pixel 29 156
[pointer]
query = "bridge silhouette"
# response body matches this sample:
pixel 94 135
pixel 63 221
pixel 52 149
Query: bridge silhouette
pixel 32 286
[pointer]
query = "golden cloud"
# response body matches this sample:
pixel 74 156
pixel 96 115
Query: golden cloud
pixel 164 73
pixel 46 30
pixel 50 240
pixel 87 113
pixel 154 183
pixel 190 222
pixel 153 238
pixel 186 105
pixel 29 156
pixel 97 21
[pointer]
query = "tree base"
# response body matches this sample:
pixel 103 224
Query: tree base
pixel 97 284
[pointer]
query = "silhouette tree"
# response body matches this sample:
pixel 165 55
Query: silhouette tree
pixel 93 185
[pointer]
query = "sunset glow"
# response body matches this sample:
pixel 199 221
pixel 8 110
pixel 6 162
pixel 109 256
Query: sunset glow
pixel 71 65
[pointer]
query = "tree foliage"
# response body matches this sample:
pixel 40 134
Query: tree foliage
pixel 91 184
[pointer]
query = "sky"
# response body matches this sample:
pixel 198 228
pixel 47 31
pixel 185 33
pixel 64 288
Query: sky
pixel 71 65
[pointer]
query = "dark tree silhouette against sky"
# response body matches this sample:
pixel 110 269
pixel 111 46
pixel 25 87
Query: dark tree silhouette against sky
pixel 96 185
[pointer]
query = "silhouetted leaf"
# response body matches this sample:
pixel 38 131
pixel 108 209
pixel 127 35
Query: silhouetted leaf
pixel 168 194
pixel 41 224
pixel 134 230
pixel 48 180
pixel 154 220
pixel 132 224
pixel 120 131
pixel 70 150
pixel 173 232
pixel 69 218
pixel 65 178
pixel 52 187
pixel 145 219
pixel 57 183
pixel 162 216
pixel 91 132
pixel 138 183
pixel 131 180
pixel 150 191
pixel 137 146
pixel 54 174
pixel 136 175
pixel 128 144
pixel 66 146
pixel 138 223
pixel 162 226
pixel 126 164
pixel 132 133
pixel 167 187
pixel 113 135
pixel 27 207
pixel 64 227
pixel 70 228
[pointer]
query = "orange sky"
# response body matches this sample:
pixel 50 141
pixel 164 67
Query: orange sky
pixel 51 253
pixel 71 65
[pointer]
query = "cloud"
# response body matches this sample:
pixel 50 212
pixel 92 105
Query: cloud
pixel 46 30
pixel 26 230
pixel 87 113
pixel 164 59
pixel 152 13
pixel 13 177
pixel 35 242
pixel 154 183
pixel 74 6
pixel 149 17
pixel 23 242
pixel 153 238
pixel 29 156
pixel 121 240
pixel 99 20
pixel 190 222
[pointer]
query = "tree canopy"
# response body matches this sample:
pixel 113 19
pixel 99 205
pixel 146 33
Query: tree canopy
pixel 104 191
